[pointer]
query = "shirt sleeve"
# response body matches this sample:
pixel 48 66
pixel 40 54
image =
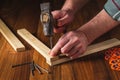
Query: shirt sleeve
pixel 112 7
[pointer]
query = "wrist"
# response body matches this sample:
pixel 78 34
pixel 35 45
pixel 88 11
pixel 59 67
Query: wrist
pixel 84 35
pixel 87 32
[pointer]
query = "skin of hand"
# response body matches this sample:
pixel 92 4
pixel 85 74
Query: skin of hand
pixel 63 17
pixel 66 14
pixel 72 44
pixel 99 25
pixel 75 43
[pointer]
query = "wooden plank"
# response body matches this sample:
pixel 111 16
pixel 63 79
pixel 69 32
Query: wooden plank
pixel 90 50
pixel 10 37
pixel 35 43
pixel 44 50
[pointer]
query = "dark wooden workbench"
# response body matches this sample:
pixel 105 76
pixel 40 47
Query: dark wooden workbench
pixel 25 14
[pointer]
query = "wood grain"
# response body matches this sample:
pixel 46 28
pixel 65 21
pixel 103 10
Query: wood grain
pixel 9 57
pixel 35 43
pixel 25 14
pixel 90 50
pixel 11 38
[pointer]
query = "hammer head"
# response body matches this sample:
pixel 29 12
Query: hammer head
pixel 47 19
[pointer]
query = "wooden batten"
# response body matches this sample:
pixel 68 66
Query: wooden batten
pixel 44 50
pixel 35 43
pixel 90 50
pixel 10 37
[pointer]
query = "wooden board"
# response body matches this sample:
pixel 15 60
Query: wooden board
pixel 44 50
pixel 90 50
pixel 10 37
pixel 23 15
pixel 35 43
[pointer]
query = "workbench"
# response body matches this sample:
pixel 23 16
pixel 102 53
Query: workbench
pixel 19 14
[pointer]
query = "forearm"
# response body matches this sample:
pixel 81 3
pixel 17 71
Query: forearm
pixel 74 5
pixel 98 26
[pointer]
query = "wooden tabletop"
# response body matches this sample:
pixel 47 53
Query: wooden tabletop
pixel 25 14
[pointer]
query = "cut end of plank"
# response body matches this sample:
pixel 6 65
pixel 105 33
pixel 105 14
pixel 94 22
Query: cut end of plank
pixel 20 49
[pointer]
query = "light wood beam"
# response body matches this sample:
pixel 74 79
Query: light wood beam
pixel 90 50
pixel 10 37
pixel 35 43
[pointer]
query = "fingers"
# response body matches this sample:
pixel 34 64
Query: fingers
pixel 56 14
pixel 59 29
pixel 62 41
pixel 74 50
pixel 78 52
pixel 62 17
pixel 64 20
pixel 72 43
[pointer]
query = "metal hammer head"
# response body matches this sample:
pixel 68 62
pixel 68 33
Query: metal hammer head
pixel 46 19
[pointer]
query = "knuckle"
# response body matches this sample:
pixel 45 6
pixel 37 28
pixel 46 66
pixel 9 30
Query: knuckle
pixel 61 38
pixel 60 45
pixel 63 50
pixel 70 33
pixel 75 40
pixel 83 50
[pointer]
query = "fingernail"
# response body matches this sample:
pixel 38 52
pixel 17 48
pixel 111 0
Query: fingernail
pixel 66 54
pixel 51 53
